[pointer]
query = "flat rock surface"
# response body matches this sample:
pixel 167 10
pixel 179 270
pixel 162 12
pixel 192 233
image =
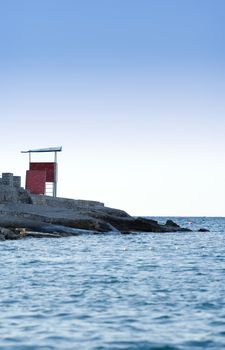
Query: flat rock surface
pixel 62 216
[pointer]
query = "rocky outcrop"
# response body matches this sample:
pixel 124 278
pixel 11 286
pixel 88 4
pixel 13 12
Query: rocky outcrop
pixel 25 215
pixel 10 194
pixel 203 230
pixel 6 233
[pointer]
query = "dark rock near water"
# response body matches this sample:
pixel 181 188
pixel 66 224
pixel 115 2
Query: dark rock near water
pixel 171 223
pixel 26 215
pixel 2 237
pixel 6 233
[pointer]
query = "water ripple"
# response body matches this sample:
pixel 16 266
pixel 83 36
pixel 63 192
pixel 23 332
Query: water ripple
pixel 141 292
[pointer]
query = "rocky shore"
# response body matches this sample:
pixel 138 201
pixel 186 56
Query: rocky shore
pixel 24 215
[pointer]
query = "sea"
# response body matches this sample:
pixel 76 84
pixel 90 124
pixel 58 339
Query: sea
pixel 161 291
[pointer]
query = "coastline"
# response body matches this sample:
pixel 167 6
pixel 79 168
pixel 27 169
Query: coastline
pixel 27 215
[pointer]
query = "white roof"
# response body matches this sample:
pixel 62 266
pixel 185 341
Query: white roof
pixel 50 149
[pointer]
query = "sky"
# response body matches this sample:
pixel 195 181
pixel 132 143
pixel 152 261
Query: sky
pixel 134 92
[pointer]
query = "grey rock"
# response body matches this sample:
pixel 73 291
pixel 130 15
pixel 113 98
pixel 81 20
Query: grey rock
pixel 10 194
pixel 171 223
pixel 62 216
pixel 8 233
pixel 12 235
pixel 203 230
pixel 42 235
pixel 4 231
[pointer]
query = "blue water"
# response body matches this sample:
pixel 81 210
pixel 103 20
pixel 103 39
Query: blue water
pixel 125 292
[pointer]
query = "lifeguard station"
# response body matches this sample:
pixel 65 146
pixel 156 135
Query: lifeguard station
pixel 41 178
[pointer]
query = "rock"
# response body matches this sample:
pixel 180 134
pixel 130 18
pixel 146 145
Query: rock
pixel 171 226
pixel 171 223
pixel 4 231
pixel 203 230
pixel 139 224
pixel 10 194
pixel 42 235
pixel 9 234
pixel 12 235
pixel 65 217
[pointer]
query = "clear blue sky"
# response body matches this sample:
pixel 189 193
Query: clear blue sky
pixel 134 91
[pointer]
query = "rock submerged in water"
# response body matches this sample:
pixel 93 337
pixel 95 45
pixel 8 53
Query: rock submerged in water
pixel 203 230
pixel 26 215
